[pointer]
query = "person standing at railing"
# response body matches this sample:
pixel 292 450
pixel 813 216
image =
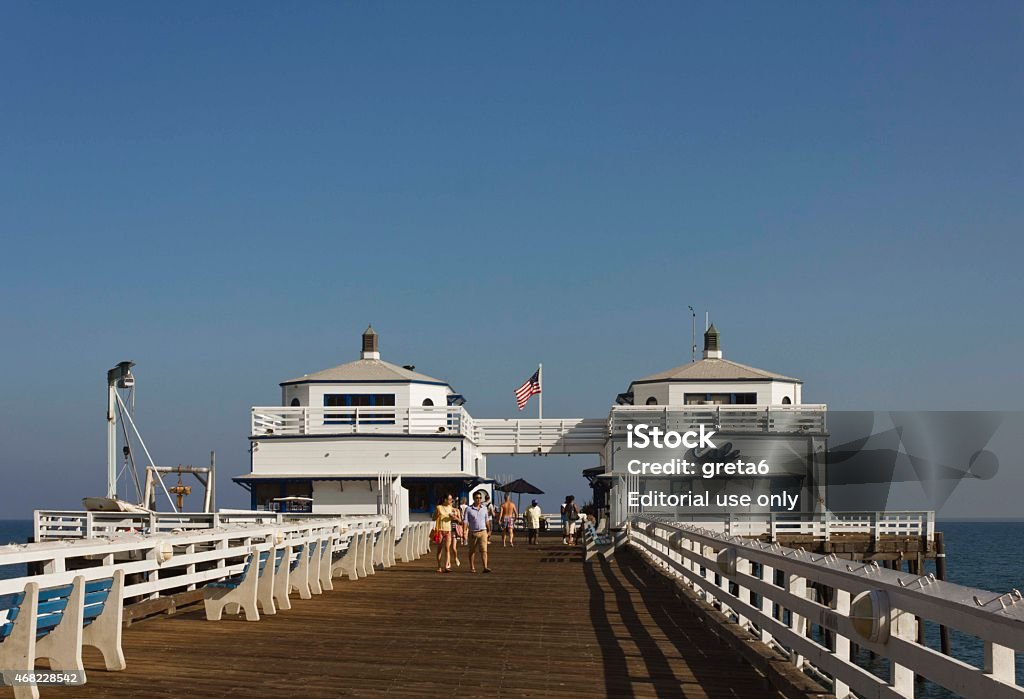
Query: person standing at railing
pixel 531 518
pixel 570 515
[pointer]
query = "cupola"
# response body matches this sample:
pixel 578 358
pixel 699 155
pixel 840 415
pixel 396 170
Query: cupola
pixel 712 343
pixel 370 348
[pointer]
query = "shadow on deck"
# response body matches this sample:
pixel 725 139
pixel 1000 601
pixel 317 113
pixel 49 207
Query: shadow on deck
pixel 543 624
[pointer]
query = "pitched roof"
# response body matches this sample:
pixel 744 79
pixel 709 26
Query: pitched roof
pixel 366 370
pixel 714 370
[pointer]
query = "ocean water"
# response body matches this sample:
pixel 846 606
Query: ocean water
pixel 14 531
pixel 987 555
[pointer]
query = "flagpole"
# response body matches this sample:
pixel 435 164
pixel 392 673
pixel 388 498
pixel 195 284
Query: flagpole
pixel 540 396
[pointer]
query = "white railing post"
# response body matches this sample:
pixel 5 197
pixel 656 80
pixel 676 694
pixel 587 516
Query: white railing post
pixel 767 604
pixel 902 677
pixel 796 585
pixel 709 574
pixel 841 604
pixel 999 663
pixel 743 593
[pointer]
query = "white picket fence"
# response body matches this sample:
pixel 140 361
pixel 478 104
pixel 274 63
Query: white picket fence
pixel 163 562
pixel 819 526
pixel 51 525
pixel 876 608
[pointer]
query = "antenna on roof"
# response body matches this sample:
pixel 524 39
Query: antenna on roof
pixel 706 323
pixel 693 334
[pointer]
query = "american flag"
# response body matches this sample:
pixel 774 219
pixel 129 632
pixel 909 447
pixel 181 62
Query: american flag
pixel 529 388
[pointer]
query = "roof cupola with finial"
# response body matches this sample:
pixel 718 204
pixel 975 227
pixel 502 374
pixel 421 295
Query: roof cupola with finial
pixel 368 381
pixel 714 380
pixel 370 347
pixel 712 348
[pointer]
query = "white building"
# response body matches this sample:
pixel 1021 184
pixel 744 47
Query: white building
pixel 713 380
pixel 370 436
pixel 756 414
pixel 344 433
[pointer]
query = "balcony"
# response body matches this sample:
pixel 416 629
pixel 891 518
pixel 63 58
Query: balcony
pixel 297 421
pixel 806 419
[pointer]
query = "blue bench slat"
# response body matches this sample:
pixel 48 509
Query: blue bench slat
pixel 5 630
pixel 53 607
pixel 46 622
pixel 54 592
pixel 12 600
pixel 98 585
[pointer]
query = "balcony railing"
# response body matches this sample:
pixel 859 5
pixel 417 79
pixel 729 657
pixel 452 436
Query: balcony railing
pixel 780 419
pixel 303 420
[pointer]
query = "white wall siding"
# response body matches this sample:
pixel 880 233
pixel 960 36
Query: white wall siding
pixel 782 389
pixel 343 456
pixel 420 391
pixel 344 498
pixel 290 392
pixel 659 391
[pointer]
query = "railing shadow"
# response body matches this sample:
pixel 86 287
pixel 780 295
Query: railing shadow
pixel 710 670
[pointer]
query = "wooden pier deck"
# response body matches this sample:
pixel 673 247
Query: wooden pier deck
pixel 543 624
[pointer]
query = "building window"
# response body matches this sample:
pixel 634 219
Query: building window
pixel 295 402
pixel 427 403
pixel 357 404
pixel 786 400
pixel 720 399
pixel 652 401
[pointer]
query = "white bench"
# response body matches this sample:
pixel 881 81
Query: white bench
pixel 56 622
pixel 238 592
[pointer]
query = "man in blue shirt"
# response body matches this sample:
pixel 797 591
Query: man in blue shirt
pixel 478 522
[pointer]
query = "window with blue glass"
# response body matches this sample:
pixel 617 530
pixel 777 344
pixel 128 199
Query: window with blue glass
pixel 360 405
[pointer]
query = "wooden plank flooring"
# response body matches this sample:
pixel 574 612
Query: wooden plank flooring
pixel 543 624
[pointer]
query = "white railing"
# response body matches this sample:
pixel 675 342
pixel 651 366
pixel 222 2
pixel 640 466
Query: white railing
pixel 162 563
pixel 49 525
pixel 821 527
pixel 776 419
pixel 877 609
pixel 305 420
pixel 547 436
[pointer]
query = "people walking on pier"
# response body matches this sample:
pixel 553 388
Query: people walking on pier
pixel 444 515
pixel 478 524
pixel 463 534
pixel 531 518
pixel 456 530
pixel 492 511
pixel 570 514
pixel 508 521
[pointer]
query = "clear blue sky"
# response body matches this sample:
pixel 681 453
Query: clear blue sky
pixel 228 193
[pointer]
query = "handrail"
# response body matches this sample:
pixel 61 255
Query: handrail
pixel 49 525
pixel 273 421
pixel 166 561
pixel 820 526
pixel 805 418
pixel 862 593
